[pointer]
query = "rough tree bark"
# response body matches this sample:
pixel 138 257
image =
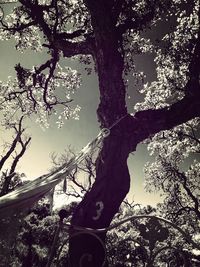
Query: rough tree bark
pixel 112 176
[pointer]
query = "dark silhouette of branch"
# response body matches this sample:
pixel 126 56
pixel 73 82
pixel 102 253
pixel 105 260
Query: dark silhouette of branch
pixel 24 145
pixel 18 28
pixel 191 136
pixel 76 185
pixel 40 82
pixel 16 158
pixel 194 199
pixel 57 40
pixel 131 205
pixel 181 111
pixel 13 145
pixel 183 181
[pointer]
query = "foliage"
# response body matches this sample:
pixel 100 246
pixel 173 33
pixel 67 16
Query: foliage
pixel 35 237
pixel 146 241
pixel 35 90
pixel 178 184
pixel 177 148
pixel 12 153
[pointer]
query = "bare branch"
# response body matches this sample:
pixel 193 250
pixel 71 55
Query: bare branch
pixel 19 132
pixel 18 140
pixel 21 153
pixel 52 67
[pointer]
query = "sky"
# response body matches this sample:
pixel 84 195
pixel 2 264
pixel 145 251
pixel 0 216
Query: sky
pixel 76 133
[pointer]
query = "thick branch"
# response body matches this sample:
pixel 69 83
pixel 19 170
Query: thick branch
pixel 71 49
pixel 35 12
pixel 153 121
pixel 149 122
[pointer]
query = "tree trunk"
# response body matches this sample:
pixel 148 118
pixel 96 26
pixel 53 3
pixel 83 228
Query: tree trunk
pixel 100 204
pixel 112 176
pixel 112 182
pixel 6 184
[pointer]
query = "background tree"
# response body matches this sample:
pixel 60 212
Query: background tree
pixel 14 150
pixel 178 185
pixel 110 33
pixel 10 178
pixel 35 237
pixel 80 180
pixel 14 145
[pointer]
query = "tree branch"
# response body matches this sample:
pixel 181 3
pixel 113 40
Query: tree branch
pixel 18 139
pixel 70 49
pixel 135 21
pixel 14 143
pixel 35 11
pixel 21 153
pixel 11 174
pixel 57 40
pixel 152 121
pixel 149 122
pixel 190 194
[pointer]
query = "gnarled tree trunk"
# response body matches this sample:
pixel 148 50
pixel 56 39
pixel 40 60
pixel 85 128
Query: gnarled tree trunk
pixel 101 203
pixel 112 176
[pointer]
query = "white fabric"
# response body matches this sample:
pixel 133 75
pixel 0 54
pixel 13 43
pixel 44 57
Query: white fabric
pixel 25 196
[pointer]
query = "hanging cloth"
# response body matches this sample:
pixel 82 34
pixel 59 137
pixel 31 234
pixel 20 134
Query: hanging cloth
pixel 25 196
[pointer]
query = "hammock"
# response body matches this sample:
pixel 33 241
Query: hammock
pixel 25 196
